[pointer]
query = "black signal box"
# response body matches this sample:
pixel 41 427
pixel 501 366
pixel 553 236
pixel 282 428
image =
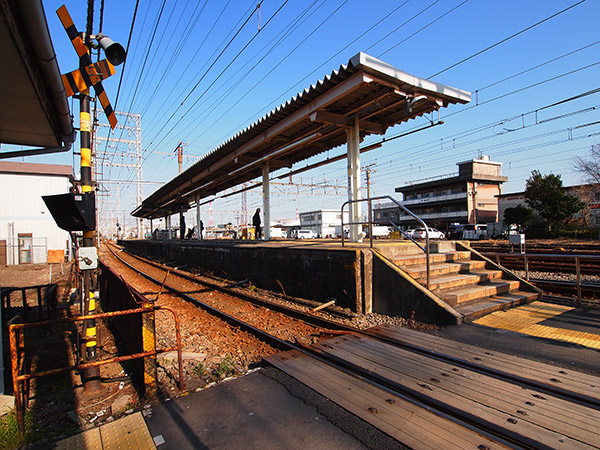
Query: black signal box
pixel 73 212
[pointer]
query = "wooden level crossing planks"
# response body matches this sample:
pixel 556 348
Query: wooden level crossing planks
pixel 405 421
pixel 567 379
pixel 536 417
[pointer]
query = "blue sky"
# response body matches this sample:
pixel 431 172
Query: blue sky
pixel 192 80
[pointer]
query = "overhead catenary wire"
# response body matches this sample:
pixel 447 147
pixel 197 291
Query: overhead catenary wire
pixel 281 61
pixel 508 38
pixel 205 74
pixel 570 74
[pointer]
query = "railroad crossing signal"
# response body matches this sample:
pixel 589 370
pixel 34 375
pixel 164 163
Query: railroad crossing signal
pixel 91 74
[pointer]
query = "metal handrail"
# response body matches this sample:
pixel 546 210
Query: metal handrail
pixel 370 223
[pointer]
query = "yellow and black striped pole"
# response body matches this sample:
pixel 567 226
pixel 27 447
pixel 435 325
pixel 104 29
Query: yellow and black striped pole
pixel 91 376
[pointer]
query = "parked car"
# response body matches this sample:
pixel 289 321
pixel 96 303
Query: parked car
pixel 477 231
pixel 278 233
pixel 408 233
pixel 420 233
pixel 455 231
pixel 306 234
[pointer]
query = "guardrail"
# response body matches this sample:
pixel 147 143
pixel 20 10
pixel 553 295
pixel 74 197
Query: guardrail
pixel 527 257
pixel 370 224
pixel 17 353
pixel 46 293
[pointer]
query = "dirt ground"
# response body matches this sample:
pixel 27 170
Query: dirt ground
pixel 58 404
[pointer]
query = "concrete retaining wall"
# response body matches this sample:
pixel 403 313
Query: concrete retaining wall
pixel 398 295
pixel 313 273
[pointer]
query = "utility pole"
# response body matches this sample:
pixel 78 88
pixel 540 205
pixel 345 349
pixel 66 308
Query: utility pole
pixel 368 171
pixel 179 150
pixel 182 226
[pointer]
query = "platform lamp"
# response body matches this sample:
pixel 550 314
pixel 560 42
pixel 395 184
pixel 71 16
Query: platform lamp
pixel 79 81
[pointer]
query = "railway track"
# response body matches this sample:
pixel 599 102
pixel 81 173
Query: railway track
pixel 567 289
pixel 489 400
pixel 565 275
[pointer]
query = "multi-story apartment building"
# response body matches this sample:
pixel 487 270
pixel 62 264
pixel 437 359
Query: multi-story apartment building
pixel 471 196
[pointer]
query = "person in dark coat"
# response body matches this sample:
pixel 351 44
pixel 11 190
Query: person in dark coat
pixel 256 223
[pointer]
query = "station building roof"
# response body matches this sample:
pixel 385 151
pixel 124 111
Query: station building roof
pixel 314 121
pixel 22 168
pixel 34 110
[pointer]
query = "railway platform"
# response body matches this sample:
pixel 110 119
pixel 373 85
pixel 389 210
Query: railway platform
pixel 451 285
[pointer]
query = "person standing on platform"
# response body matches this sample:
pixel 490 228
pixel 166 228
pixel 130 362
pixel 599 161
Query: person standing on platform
pixel 256 223
pixel 181 226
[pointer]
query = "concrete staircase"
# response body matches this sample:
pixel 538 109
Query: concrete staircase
pixel 465 280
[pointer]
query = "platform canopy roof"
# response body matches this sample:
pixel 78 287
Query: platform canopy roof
pixel 34 110
pixel 312 122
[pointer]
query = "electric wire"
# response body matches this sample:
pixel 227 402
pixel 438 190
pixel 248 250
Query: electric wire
pixel 221 73
pixel 496 98
pixel 524 30
pixel 202 78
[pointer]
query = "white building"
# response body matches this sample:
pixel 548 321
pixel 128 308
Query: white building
pixel 27 230
pixel 325 222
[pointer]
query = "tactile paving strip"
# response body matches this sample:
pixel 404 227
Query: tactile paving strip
pixel 526 320
pixel 129 432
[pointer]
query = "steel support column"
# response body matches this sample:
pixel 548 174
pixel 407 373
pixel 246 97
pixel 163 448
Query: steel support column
pixel 352 140
pixel 266 202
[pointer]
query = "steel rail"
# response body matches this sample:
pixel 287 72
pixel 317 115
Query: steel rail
pixel 496 373
pixel 411 396
pixel 471 421
pixel 337 328
pixel 311 319
pixel 547 262
pixel 231 320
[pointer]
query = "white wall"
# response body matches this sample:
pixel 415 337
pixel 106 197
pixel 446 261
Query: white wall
pixel 21 203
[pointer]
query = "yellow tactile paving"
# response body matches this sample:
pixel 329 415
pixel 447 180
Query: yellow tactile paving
pixel 525 319
pixel 129 432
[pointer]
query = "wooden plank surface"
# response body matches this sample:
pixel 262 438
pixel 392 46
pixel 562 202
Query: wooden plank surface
pixel 410 424
pixel 568 379
pixel 501 401
pixel 561 416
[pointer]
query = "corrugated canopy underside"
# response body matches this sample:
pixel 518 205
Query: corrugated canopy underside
pixel 33 105
pixel 375 93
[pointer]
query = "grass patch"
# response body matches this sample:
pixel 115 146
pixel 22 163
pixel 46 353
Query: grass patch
pixel 224 369
pixel 9 431
pixel 199 370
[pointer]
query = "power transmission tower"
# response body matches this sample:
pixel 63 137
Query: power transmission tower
pixel 124 155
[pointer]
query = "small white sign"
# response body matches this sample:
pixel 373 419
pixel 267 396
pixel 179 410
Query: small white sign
pixel 87 257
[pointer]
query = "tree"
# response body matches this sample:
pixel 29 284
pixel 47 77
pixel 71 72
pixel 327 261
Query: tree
pixel 519 215
pixel 590 168
pixel 545 194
